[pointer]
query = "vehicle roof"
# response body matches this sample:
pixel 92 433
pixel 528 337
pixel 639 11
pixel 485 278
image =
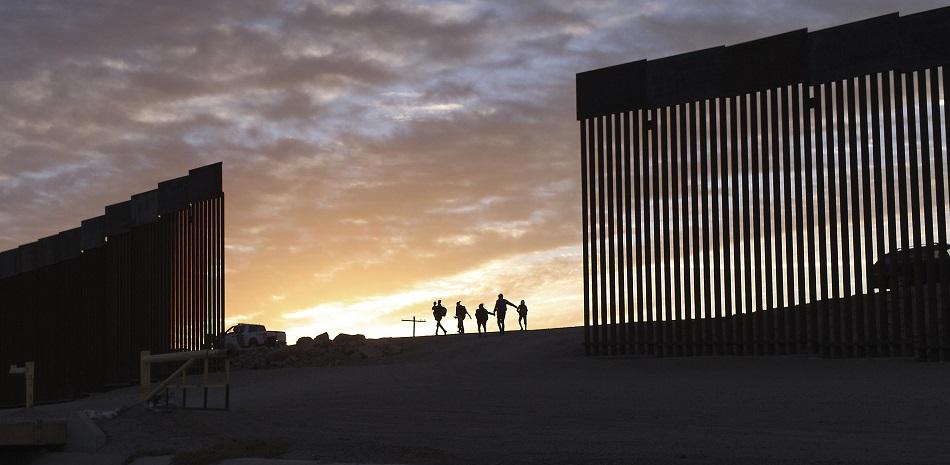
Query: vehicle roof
pixel 923 246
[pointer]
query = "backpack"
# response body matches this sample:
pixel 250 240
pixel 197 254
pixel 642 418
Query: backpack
pixel 442 312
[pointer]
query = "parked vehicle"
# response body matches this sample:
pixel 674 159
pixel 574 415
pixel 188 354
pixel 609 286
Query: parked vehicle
pixel 911 267
pixel 245 335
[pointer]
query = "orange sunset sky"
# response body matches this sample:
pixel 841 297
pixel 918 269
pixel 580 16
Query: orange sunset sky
pixel 377 155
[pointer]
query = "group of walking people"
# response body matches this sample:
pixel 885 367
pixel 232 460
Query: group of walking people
pixel 481 315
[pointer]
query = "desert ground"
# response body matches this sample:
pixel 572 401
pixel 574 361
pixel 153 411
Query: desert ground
pixel 534 398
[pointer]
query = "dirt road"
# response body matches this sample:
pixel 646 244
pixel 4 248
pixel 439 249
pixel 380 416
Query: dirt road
pixel 534 398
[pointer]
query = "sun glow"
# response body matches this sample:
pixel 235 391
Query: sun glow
pixel 546 280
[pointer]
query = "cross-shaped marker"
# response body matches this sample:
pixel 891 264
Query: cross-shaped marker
pixel 414 321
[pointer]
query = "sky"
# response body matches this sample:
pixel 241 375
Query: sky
pixel 377 155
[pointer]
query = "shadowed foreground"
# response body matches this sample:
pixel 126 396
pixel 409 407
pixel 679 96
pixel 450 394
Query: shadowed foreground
pixel 534 398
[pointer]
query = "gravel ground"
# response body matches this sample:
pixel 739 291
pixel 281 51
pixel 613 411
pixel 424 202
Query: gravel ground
pixel 534 398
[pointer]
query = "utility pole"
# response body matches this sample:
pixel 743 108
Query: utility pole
pixel 414 321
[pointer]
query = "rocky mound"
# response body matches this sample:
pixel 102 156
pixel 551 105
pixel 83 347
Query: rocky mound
pixel 318 351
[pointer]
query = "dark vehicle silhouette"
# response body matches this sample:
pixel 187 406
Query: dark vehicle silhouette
pixel 911 267
pixel 243 335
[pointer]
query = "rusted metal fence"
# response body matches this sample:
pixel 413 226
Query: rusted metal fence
pixel 735 198
pixel 146 275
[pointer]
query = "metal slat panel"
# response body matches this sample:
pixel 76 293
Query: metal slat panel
pixel 683 324
pixel 643 227
pixel 916 238
pixel 745 182
pixel 768 233
pixel 877 342
pixel 692 298
pixel 610 329
pixel 824 144
pixel 586 236
pixel 640 228
pixel 695 296
pixel 777 116
pixel 942 157
pixel 891 194
pixel 722 214
pixel 800 199
pixel 630 228
pixel 810 143
pixel 852 223
pixel 863 326
pixel 592 230
pixel 706 228
pixel 929 293
pixel 602 233
pixel 655 315
pixel 788 228
pixel 674 326
pixel 666 231
pixel 594 214
pixel 902 210
pixel 620 150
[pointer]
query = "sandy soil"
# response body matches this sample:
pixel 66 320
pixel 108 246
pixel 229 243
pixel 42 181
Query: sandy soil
pixel 534 398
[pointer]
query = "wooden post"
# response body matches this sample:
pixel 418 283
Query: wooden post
pixel 29 384
pixel 27 371
pixel 167 381
pixel 145 373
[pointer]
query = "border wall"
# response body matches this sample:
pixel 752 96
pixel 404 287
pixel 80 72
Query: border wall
pixel 148 274
pixel 735 198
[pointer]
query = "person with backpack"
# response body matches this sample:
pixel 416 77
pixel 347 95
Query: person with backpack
pixel 523 316
pixel 501 307
pixel 438 311
pixel 460 313
pixel 481 318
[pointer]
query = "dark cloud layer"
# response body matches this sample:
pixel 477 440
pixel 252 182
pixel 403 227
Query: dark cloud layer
pixel 370 148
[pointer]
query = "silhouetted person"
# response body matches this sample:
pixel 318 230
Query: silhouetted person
pixel 460 313
pixel 523 316
pixel 438 311
pixel 501 307
pixel 481 318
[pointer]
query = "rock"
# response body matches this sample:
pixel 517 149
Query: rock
pixel 319 351
pixel 315 359
pixel 280 354
pixel 313 352
pixel 322 340
pixel 349 339
pixel 370 351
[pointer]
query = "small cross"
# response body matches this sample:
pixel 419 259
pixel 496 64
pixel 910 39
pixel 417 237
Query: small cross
pixel 414 321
